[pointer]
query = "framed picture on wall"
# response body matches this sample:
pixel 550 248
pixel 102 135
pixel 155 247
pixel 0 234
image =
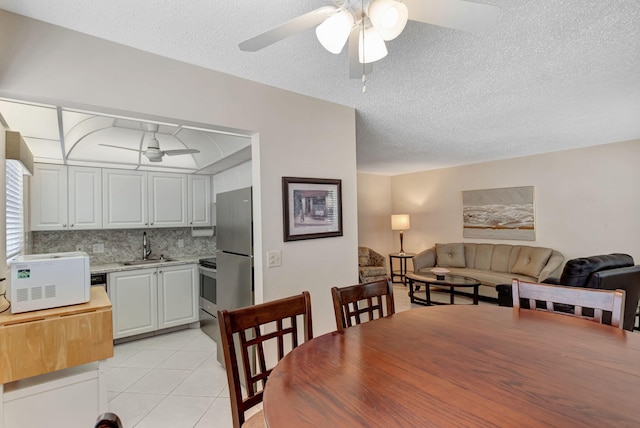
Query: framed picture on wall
pixel 311 207
pixel 506 213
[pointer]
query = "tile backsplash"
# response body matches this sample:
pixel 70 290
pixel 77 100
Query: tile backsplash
pixel 123 244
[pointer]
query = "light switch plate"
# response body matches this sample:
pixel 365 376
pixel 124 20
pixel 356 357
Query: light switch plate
pixel 274 258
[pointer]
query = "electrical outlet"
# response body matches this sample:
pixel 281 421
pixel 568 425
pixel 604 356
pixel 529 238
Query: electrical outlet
pixel 98 248
pixel 180 243
pixel 79 247
pixel 274 258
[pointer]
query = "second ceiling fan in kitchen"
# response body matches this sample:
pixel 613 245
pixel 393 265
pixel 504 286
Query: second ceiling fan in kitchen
pixel 153 152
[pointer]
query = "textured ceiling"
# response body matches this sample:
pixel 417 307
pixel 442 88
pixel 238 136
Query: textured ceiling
pixel 551 75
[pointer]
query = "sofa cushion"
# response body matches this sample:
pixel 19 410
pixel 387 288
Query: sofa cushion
pixel 373 271
pixel 363 256
pixel 450 255
pixel 484 254
pixel 500 259
pixel 531 261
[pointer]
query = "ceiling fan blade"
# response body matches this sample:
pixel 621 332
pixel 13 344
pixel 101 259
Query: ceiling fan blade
pixel 180 152
pixel 289 28
pixel 120 147
pixel 356 69
pixel 456 14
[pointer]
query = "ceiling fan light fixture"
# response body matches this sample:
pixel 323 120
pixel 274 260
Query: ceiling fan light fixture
pixel 334 31
pixel 371 47
pixel 389 17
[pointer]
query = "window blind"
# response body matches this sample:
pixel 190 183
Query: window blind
pixel 15 228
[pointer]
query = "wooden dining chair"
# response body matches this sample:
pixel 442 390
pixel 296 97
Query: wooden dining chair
pixel 576 298
pixel 244 333
pixel 352 302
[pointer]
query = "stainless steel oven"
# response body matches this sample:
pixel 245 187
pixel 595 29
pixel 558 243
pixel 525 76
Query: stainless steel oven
pixel 208 286
pixel 209 298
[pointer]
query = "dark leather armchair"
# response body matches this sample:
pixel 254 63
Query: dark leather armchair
pixel 607 272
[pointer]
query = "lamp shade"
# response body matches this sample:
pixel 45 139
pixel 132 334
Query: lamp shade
pixel 334 31
pixel 389 17
pixel 400 222
pixel 371 47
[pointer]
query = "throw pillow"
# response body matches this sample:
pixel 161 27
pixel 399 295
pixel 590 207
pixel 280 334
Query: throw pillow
pixel 450 255
pixel 531 261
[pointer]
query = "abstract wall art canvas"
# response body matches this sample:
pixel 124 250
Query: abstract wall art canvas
pixel 499 213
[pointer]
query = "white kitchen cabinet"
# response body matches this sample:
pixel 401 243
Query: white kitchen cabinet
pixel 167 199
pixel 199 208
pixel 124 199
pixel 137 199
pixel 66 197
pixel 134 299
pixel 85 198
pixel 150 299
pixel 177 295
pixel 49 206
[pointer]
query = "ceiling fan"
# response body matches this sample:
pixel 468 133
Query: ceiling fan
pixel 153 152
pixel 367 24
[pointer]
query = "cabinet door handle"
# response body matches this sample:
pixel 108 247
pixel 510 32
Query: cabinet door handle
pixel 71 225
pixel 146 224
pixel 64 225
pixel 151 224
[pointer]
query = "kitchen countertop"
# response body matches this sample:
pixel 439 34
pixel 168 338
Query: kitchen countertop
pixel 119 267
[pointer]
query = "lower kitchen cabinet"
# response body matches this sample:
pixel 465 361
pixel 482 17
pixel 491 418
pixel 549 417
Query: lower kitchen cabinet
pixel 146 300
pixel 177 295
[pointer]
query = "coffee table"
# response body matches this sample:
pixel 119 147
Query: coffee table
pixel 451 281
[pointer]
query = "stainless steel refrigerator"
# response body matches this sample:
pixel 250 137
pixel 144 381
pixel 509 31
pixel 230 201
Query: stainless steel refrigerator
pixel 234 256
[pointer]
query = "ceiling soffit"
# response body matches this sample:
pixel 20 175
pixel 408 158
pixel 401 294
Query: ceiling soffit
pixel 63 136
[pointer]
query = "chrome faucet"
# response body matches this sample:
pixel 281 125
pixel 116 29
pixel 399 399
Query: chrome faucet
pixel 146 247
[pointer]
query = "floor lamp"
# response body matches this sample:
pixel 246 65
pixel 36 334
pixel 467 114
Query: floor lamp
pixel 400 222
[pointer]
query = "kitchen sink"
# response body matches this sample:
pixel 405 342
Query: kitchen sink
pixel 148 261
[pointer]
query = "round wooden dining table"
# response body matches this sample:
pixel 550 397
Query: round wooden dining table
pixel 461 366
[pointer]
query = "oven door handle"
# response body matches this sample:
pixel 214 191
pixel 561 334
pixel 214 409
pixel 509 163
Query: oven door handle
pixel 208 270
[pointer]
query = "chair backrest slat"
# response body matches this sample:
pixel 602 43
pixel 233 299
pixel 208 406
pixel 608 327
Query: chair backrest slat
pixel 350 303
pixel 573 300
pixel 246 331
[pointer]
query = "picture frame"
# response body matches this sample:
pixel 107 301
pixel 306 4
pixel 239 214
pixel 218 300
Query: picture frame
pixel 311 208
pixel 504 213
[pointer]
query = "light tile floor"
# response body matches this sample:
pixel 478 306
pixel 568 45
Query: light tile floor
pixel 172 380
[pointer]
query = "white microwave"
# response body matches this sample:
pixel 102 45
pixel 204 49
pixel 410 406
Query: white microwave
pixel 42 281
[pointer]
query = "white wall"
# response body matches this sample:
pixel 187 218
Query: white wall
pixel 234 178
pixel 292 135
pixel 374 213
pixel 587 201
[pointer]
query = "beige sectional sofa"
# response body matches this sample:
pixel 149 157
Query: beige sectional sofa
pixel 491 264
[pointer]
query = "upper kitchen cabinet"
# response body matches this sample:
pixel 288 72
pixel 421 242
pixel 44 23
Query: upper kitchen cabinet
pixel 66 198
pixel 167 200
pixel 49 205
pixel 137 199
pixel 85 198
pixel 199 208
pixel 124 199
